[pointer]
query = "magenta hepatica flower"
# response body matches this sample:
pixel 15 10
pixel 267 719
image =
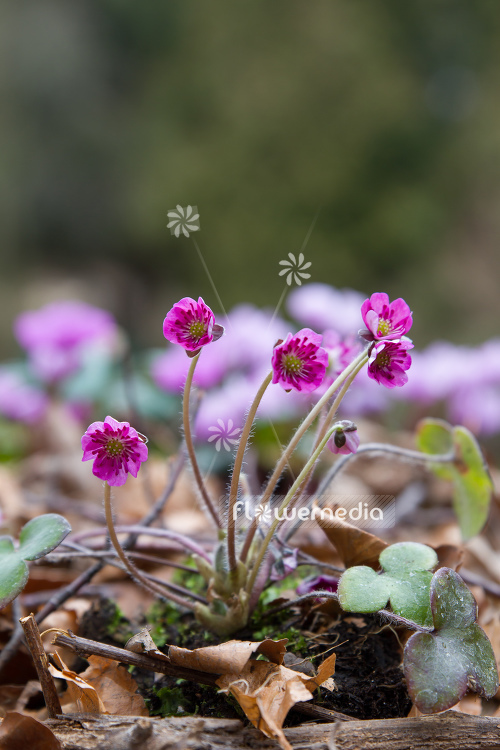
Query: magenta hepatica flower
pixel 385 320
pixel 345 439
pixel 388 362
pixel 317 583
pixel 57 335
pixel 116 449
pixel 191 324
pixel 299 363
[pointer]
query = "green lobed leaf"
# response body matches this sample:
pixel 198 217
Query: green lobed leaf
pixel 41 535
pixel 440 666
pixel 360 589
pixel 405 582
pixel 472 484
pixel 13 578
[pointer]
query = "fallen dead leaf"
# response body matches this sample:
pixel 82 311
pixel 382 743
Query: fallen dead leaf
pixel 80 695
pixel 142 643
pixel 116 688
pixel 18 732
pixel 450 556
pixel 267 691
pixel 355 546
pixel 227 658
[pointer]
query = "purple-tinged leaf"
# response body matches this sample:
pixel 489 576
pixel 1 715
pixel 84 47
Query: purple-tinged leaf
pixel 441 666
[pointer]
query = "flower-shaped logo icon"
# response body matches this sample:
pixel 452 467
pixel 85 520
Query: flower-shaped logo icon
pixel 183 220
pixel 224 435
pixel 263 513
pixel 294 269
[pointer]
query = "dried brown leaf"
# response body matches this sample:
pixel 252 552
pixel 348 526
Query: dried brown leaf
pixel 18 732
pixel 142 643
pixel 354 546
pixel 116 688
pixel 79 693
pixel 227 658
pixel 267 691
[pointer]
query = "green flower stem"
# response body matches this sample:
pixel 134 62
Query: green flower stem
pixel 331 414
pixel 134 572
pixel 238 462
pixel 288 498
pixel 355 365
pixel 189 442
pixel 403 454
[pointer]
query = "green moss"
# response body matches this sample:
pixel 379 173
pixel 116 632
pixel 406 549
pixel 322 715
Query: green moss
pixel 167 701
pixel 118 626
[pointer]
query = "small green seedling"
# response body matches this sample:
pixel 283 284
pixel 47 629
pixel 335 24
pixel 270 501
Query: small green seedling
pixel 472 484
pixel 405 582
pixel 441 665
pixel 37 538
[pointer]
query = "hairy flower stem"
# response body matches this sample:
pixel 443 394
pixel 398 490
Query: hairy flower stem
pixel 403 454
pixel 278 516
pixel 238 462
pixel 329 417
pixel 359 362
pixel 189 442
pixel 134 572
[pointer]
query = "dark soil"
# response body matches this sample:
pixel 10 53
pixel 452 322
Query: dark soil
pixel 368 677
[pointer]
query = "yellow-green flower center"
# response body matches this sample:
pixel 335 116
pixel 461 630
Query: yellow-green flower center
pixel 197 329
pixel 292 364
pixel 384 327
pixel 383 359
pixel 114 447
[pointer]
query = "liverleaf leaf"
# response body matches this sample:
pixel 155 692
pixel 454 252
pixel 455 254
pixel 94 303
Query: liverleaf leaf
pixel 38 537
pixel 405 582
pixel 41 535
pixel 472 484
pixel 440 666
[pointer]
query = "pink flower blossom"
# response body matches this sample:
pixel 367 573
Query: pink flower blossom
pixel 116 449
pixel 388 362
pixel 299 363
pixel 56 336
pixel 322 582
pixel 191 324
pixel 239 350
pixel 19 400
pixel 384 320
pixel 345 439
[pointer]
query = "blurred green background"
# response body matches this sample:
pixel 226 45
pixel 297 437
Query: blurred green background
pixel 380 118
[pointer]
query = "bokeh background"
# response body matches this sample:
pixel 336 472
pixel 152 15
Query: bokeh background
pixel 381 119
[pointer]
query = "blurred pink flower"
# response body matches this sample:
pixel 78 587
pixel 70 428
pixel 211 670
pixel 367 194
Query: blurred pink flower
pixel 116 449
pixel 384 319
pixel 299 363
pixel 191 324
pixel 56 336
pixel 389 361
pixel 321 306
pixel 19 400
